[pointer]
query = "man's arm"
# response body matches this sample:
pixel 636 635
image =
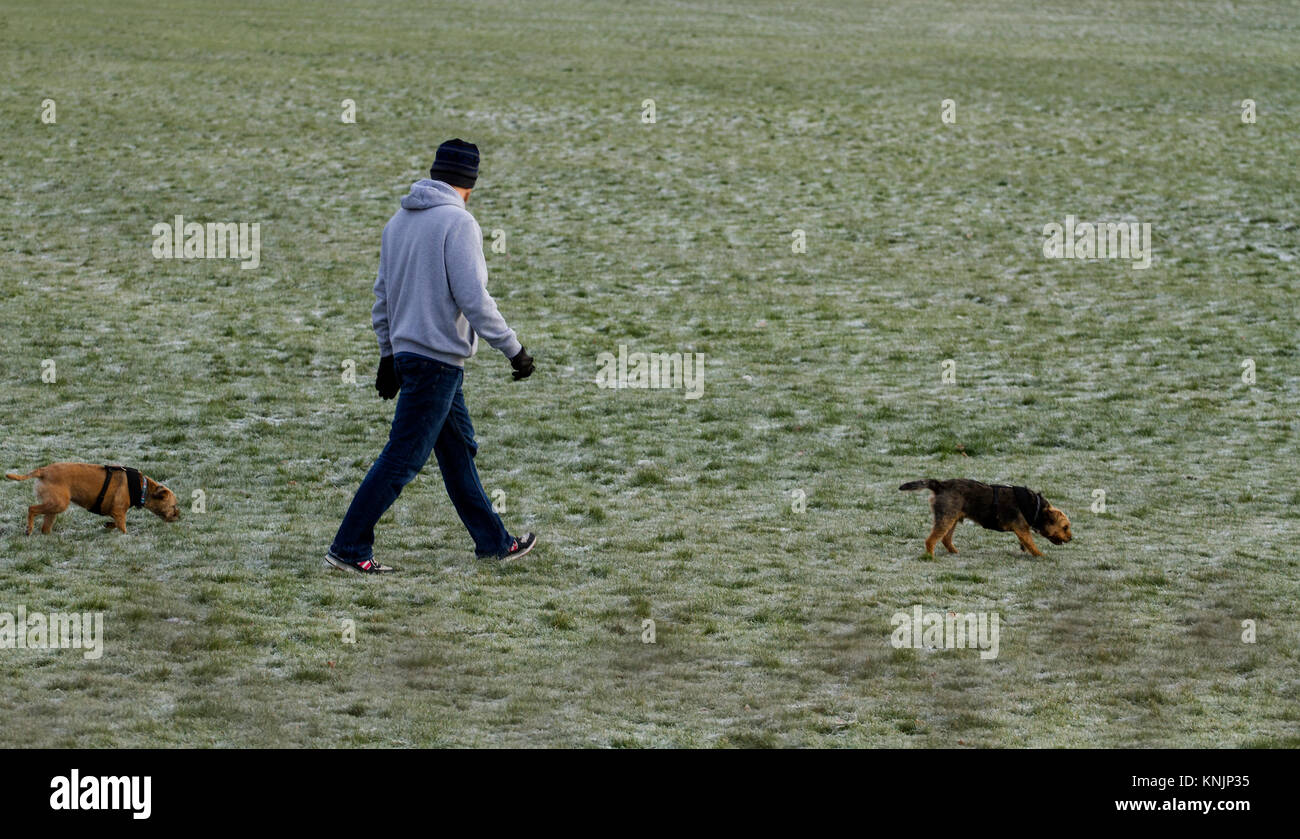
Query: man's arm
pixel 379 313
pixel 386 376
pixel 467 278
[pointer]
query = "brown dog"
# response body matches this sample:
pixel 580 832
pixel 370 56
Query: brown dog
pixel 992 507
pixel 103 490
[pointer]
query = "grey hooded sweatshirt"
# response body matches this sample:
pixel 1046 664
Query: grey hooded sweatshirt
pixel 431 293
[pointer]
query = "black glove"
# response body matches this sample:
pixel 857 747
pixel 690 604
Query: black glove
pixel 523 364
pixel 386 378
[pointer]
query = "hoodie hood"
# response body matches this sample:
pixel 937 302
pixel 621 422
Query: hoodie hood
pixel 426 193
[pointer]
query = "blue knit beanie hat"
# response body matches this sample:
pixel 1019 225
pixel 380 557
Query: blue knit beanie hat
pixel 456 163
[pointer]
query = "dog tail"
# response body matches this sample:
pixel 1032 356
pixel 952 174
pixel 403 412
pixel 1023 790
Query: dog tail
pixel 14 476
pixel 924 483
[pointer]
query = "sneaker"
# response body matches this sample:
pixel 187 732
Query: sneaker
pixel 518 547
pixel 365 566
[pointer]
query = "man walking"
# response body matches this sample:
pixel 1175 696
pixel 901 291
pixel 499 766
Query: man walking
pixel 431 306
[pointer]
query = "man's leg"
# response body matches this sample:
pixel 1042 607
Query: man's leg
pixel 428 389
pixel 455 450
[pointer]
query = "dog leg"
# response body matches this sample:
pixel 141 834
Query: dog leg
pixel 1027 541
pixel 932 540
pixel 119 521
pixel 54 500
pixel 942 526
pixel 947 539
pixel 48 510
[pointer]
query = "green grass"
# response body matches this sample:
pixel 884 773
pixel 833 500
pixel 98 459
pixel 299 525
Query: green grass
pixel 822 371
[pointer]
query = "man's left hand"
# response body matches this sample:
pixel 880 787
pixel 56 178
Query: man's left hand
pixel 386 378
pixel 523 364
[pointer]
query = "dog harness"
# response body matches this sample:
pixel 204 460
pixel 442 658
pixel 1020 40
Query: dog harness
pixel 136 487
pixel 1021 497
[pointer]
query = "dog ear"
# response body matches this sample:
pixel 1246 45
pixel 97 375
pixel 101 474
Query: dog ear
pixel 159 492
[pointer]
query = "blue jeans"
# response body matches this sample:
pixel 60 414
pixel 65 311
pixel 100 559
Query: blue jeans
pixel 430 416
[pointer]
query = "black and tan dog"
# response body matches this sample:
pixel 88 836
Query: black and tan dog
pixel 999 507
pixel 103 490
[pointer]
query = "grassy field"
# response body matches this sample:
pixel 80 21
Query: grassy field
pixel 823 371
